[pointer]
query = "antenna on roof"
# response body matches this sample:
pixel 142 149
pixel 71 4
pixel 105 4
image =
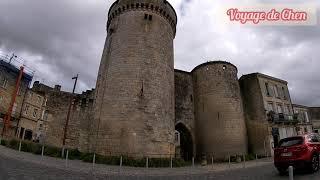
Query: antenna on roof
pixel 13 56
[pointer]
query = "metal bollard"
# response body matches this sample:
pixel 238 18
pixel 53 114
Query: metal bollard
pixel 120 161
pixel 244 161
pixel 42 150
pixel 229 162
pixel 67 155
pixel 212 161
pixel 290 173
pixel 147 162
pixel 192 161
pixel 20 146
pixel 93 160
pixel 170 162
pixel 62 152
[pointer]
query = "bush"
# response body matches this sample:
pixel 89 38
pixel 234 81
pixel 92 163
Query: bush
pixel 14 144
pixel 250 157
pixel 4 142
pixel 52 151
pixel 74 154
pixel 31 147
pixel 87 157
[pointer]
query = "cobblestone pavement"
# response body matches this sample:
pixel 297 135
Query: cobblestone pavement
pixel 16 165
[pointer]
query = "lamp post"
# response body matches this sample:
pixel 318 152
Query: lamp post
pixel 68 115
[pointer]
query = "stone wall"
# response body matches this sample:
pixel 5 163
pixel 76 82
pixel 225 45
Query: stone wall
pixel 184 111
pixel 57 109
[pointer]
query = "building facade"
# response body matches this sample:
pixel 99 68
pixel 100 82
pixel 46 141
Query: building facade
pixel 315 118
pixel 32 123
pixel 268 112
pixel 302 114
pixel 9 74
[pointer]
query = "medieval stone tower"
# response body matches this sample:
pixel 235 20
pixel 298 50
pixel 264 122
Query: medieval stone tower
pixel 220 124
pixel 134 106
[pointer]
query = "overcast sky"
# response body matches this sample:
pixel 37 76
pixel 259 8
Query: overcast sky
pixel 60 38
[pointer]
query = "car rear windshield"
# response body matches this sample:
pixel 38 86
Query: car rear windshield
pixel 292 141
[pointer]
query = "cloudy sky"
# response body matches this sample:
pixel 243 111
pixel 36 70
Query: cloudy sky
pixel 60 38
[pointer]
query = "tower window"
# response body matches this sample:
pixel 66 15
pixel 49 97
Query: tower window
pixel 150 17
pixel 145 16
pixel 224 67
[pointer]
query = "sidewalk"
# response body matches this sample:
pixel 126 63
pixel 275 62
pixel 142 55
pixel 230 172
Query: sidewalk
pixel 79 166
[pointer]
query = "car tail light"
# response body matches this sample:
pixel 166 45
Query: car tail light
pixel 300 149
pixel 277 152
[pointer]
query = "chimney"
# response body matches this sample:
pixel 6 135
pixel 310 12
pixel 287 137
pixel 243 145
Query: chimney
pixel 57 88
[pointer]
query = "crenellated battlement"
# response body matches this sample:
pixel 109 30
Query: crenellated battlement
pixel 161 7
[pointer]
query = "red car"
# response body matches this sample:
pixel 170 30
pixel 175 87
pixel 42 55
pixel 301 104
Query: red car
pixel 301 152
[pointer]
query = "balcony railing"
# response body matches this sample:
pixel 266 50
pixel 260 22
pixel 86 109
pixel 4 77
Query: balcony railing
pixel 282 118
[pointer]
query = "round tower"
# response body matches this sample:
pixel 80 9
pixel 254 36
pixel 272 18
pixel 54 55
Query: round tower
pixel 220 124
pixel 134 107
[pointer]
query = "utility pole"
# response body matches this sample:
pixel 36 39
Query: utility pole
pixel 68 115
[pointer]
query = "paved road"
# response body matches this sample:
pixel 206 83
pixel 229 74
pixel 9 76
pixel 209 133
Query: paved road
pixel 20 168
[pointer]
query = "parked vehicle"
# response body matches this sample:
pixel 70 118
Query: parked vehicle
pixel 301 152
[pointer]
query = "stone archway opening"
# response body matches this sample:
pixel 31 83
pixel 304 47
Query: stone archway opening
pixel 184 142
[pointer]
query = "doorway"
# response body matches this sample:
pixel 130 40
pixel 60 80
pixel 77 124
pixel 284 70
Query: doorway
pixel 186 142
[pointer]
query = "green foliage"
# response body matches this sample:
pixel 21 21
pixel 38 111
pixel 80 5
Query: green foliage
pixel 87 157
pixel 250 157
pixel 31 147
pixel 74 154
pixel 134 162
pixel 14 144
pixel 4 142
pixel 52 151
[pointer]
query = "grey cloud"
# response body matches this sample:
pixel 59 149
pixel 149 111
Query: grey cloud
pixel 68 36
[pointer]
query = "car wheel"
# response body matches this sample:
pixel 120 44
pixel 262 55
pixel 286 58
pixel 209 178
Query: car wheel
pixel 282 171
pixel 314 165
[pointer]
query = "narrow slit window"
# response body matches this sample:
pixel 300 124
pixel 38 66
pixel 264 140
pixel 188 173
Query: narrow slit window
pixel 150 17
pixel 145 16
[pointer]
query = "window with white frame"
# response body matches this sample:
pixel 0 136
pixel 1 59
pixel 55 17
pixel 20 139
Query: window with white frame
pixel 39 99
pixel 286 110
pixel 275 89
pixel 35 112
pixel 270 106
pixel 14 108
pixel 177 138
pixel 306 116
pixel 4 82
pixel 284 92
pixel 279 108
pixel 26 109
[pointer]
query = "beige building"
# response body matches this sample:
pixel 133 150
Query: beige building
pixel 33 115
pixel 302 113
pixel 9 74
pixel 268 112
pixel 314 113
